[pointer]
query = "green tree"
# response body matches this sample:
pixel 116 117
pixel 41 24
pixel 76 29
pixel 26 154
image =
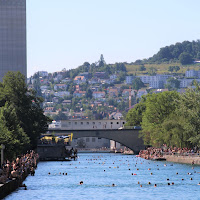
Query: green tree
pixel 88 94
pixel 176 68
pixel 142 68
pixel 19 140
pixel 185 58
pixel 137 83
pixel 158 108
pixel 171 68
pixel 101 61
pixel 134 115
pixel 31 119
pixel 173 83
pixel 152 71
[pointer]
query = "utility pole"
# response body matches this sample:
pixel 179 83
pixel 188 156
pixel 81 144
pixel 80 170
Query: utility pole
pixel 2 148
pixel 129 97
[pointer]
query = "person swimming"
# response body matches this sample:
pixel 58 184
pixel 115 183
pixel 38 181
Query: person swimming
pixel 81 183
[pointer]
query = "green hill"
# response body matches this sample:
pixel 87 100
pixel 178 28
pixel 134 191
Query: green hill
pixel 160 68
pixel 184 53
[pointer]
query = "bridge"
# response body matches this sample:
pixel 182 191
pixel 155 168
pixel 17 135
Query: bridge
pixel 127 137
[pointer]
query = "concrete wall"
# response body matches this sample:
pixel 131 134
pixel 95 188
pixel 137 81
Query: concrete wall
pixel 183 159
pixel 10 186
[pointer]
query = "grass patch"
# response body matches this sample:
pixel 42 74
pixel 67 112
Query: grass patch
pixel 161 68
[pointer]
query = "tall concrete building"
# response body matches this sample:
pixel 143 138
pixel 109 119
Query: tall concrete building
pixel 12 36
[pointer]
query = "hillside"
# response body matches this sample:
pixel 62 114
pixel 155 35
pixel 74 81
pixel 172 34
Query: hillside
pixel 160 68
pixel 184 53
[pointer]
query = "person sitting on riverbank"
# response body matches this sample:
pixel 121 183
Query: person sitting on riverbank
pixel 21 165
pixel 153 153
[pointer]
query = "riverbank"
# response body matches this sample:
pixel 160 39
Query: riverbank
pixel 184 156
pixel 183 159
pixel 11 185
pixel 12 174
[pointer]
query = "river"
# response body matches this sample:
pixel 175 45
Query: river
pixel 99 171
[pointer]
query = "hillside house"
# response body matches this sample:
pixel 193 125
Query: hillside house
pixel 79 93
pixel 113 92
pixel 127 92
pixel 101 75
pixel 141 92
pixel 79 79
pixel 98 95
pixel 61 94
pixel 60 87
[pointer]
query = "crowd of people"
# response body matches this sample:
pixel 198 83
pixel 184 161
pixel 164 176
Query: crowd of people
pixel 154 153
pixel 20 167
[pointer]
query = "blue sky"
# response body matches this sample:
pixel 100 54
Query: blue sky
pixel 66 33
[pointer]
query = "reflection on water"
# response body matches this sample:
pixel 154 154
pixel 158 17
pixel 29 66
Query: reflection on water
pixel 99 171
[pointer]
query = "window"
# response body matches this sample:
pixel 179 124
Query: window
pixel 93 122
pixel 75 123
pixel 81 123
pixel 117 122
pixel 111 122
pixel 88 123
pixel 69 123
pixel 87 139
pixel 99 123
pixel 123 122
pixel 93 139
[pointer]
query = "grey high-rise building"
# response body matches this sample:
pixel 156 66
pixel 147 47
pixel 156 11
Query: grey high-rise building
pixel 12 36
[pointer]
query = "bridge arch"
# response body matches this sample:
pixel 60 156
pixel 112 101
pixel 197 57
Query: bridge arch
pixel 128 138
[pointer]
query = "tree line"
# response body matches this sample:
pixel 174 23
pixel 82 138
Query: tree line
pixel 21 117
pixel 168 118
pixel 185 53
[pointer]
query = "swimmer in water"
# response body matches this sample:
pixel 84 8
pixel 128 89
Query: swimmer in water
pixel 155 185
pixel 81 183
pixel 113 185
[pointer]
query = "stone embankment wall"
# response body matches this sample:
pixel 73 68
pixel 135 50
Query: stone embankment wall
pixel 11 185
pixel 183 159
